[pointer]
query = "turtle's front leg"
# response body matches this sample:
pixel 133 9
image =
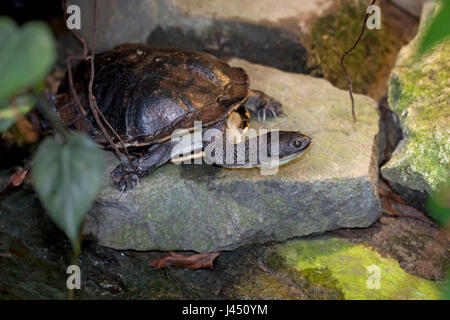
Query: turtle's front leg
pixel 126 175
pixel 263 105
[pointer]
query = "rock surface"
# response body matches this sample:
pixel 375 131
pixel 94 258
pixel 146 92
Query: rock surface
pixel 208 208
pixel 419 94
pixel 232 28
pixel 413 7
pixel 343 271
pixel 411 238
pixel 297 36
pixel 34 256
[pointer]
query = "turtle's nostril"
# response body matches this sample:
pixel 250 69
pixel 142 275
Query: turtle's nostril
pixel 306 142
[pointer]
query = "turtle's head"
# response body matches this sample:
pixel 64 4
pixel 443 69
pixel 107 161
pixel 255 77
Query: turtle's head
pixel 267 150
pixel 292 145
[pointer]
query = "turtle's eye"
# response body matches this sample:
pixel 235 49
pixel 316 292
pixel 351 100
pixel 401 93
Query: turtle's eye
pixel 297 143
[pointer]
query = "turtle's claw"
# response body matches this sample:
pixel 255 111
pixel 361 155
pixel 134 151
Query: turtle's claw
pixel 125 183
pixel 136 178
pixel 273 113
pixel 124 177
pixel 122 190
pixel 271 109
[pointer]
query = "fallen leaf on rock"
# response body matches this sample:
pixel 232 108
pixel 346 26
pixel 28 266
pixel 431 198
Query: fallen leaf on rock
pixel 196 261
pixel 388 198
pixel 18 177
pixel 6 255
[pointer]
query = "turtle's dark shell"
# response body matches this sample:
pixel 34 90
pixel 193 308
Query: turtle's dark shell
pixel 146 93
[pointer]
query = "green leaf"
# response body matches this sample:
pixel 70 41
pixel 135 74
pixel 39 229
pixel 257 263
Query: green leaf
pixel 438 29
pixel 438 204
pixel 26 55
pixel 23 103
pixel 8 37
pixel 446 287
pixel 67 179
pixel 5 124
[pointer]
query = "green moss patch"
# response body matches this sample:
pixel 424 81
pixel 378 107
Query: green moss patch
pixel 419 94
pixel 336 264
pixel 332 35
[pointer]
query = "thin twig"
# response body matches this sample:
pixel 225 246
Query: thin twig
pixel 389 210
pixel 44 106
pixel 70 58
pixel 394 214
pixel 349 81
pixel 92 100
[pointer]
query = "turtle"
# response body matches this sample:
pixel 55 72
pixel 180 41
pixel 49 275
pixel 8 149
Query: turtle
pixel 148 93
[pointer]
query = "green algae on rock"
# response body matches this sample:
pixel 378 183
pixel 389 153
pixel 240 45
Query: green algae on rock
pixel 419 94
pixel 335 33
pixel 338 265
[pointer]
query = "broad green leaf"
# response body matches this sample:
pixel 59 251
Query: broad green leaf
pixel 5 124
pixel 438 204
pixel 67 179
pixel 26 55
pixel 446 287
pixel 9 35
pixel 5 120
pixel 7 27
pixel 438 29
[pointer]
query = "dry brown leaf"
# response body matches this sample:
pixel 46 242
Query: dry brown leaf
pixel 196 261
pixel 53 80
pixel 29 133
pixel 18 177
pixel 389 195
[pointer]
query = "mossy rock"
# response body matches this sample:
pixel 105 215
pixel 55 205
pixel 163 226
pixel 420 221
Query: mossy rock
pixel 419 94
pixel 347 270
pixel 334 34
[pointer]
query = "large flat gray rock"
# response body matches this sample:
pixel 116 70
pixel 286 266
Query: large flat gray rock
pixel 208 208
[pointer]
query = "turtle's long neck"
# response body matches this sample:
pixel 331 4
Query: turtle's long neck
pixel 252 152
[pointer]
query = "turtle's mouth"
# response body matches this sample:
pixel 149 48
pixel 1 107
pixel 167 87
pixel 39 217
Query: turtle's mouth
pixel 290 157
pixel 276 162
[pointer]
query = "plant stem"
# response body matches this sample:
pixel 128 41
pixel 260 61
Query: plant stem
pixel 349 81
pixel 44 107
